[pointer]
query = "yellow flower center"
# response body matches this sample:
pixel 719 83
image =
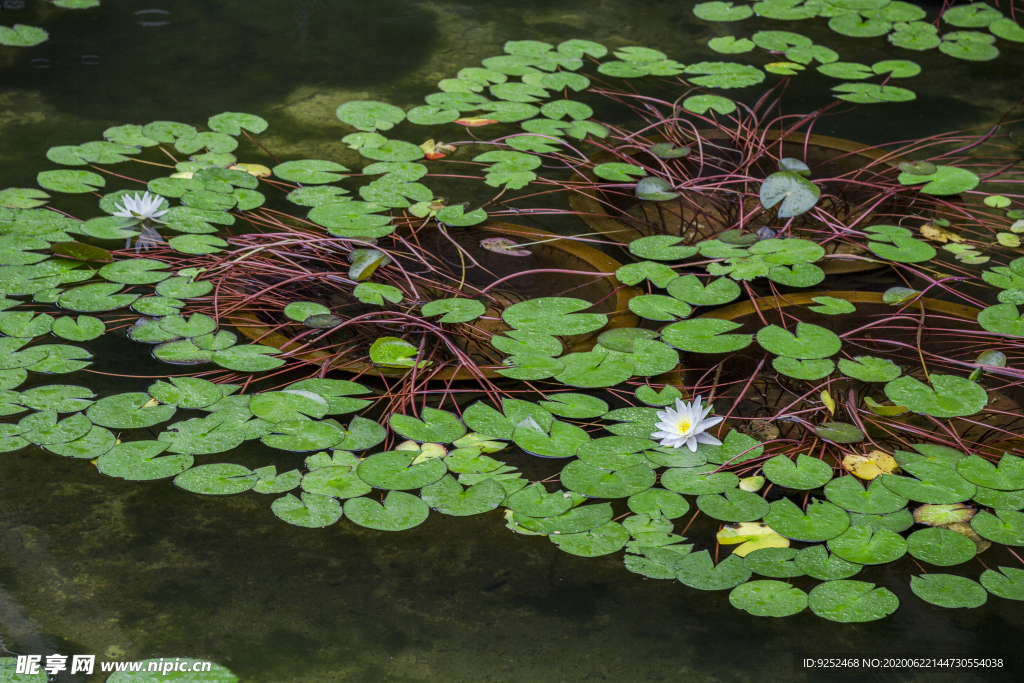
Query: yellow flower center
pixel 683 426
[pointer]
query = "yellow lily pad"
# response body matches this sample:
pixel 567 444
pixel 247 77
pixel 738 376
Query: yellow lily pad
pixel 258 170
pixel 869 466
pixel 751 536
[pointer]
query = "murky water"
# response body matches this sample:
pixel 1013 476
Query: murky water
pixel 126 570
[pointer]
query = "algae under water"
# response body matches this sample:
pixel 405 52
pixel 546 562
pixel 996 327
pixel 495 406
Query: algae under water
pixel 123 570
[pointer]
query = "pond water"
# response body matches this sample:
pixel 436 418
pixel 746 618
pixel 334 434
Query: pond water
pixel 127 570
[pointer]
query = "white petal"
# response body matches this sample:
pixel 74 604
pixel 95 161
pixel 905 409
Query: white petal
pixel 691 443
pixel 708 439
pixel 704 425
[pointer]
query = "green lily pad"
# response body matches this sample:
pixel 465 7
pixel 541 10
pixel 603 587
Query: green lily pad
pixel 848 601
pixel 70 182
pixel 689 289
pixel 696 570
pixel 805 473
pixel 947 180
pixel 817 562
pixel 1008 585
pixel 454 310
pixel 1010 500
pixel 832 306
pixel 722 11
pixel 737 447
pixel 776 563
pixel 849 494
pixel 84 328
pixel 701 104
pixel 394 470
pixel 863 545
pixel 730 45
pixel 655 501
pixel 821 522
pixel 947 590
pixel 768 598
pixel 312 511
pixel 872 93
pixel 1002 319
pixel 95 443
pixel 95 298
pixel 1007 29
pixel 437 426
pixel 535 501
pixel 60 397
pixel 796 194
pixel 1008 475
pixel 869 369
pixel 661 248
pixel 448 497
pixel 129 411
pixel 705 335
pixel 804 369
pixel 1005 526
pixel 217 479
pixel 553 316
pixel 303 435
pixel 595 482
pixel 949 396
pixel 399 511
pixel 575 521
pixel 941 547
pixel 603 540
pixel 574 406
pixel 563 442
pixel 338 481
pixel 810 341
pixel 141 461
pixel 936 483
pixel 734 505
pixel 724 75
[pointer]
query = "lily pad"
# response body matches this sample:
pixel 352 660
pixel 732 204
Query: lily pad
pixel 603 540
pixel 696 570
pixel 1005 526
pixel 941 547
pixel 817 562
pixel 796 194
pixel 399 511
pixel 869 369
pixel 448 497
pixel 312 511
pixel 810 341
pixel 821 522
pixel 141 461
pixel 1008 475
pixel 849 494
pixel 1009 584
pixel 217 479
pixel 129 411
pixel 395 470
pixel 947 590
pixel 851 601
pixel 705 335
pixel 864 545
pixel 805 473
pixel 734 505
pixel 948 396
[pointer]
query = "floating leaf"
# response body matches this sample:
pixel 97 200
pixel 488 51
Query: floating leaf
pixel 1008 585
pixel 399 511
pixel 940 547
pixel 816 561
pixel 871 93
pixel 862 545
pixel 869 369
pixel 603 540
pixel 696 570
pixel 948 396
pixel 312 511
pixel 797 194
pixel 947 590
pixel 821 522
pixel 851 601
pixel 805 473
pixel 1005 526
pixel 454 310
pixel 733 505
pixel 722 11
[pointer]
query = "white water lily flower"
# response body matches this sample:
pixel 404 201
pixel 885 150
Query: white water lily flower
pixel 142 208
pixel 686 425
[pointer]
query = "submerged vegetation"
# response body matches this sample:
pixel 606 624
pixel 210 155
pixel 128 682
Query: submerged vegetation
pixel 396 343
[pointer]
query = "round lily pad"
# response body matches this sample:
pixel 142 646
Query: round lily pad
pixel 821 522
pixel 941 547
pixel 217 479
pixel 935 483
pixel 603 540
pixel 734 505
pixel 861 545
pixel 141 461
pixel 851 601
pixel 768 598
pixel 805 473
pixel 338 482
pixel 595 482
pixel 947 590
pixel 816 561
pixel 777 563
pixel 696 570
pixel 1009 584
pixel 654 501
pixel 312 511
pixel 399 511
pixel 1005 526
pixel 129 411
pixel 849 493
pixel 1008 475
pixel 448 497
pixel 394 470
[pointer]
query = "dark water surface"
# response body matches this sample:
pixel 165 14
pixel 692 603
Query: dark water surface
pixel 124 570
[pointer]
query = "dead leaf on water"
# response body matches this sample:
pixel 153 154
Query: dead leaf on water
pixel 869 466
